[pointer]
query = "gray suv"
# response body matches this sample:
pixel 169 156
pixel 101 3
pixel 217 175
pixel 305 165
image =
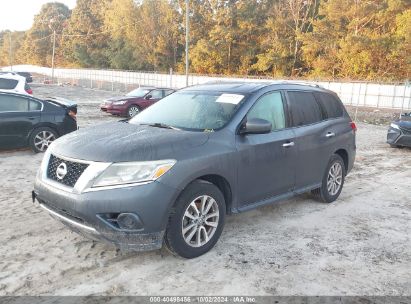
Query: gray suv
pixel 173 172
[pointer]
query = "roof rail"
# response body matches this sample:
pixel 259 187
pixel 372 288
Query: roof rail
pixel 311 84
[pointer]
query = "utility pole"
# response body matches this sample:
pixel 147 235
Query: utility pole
pixel 52 58
pixel 10 53
pixel 187 39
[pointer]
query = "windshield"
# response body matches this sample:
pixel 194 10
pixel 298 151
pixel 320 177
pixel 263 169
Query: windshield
pixel 191 110
pixel 140 92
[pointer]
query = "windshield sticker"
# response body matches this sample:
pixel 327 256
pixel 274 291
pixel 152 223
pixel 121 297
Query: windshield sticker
pixel 230 98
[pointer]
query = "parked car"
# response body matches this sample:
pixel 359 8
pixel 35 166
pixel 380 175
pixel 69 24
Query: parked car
pixel 173 172
pixel 135 101
pixel 10 82
pixel 28 121
pixel 399 132
pixel 26 75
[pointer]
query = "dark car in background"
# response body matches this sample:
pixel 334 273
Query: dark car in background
pixel 399 132
pixel 134 101
pixel 28 121
pixel 26 75
pixel 170 174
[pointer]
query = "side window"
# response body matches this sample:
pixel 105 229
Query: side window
pixel 9 103
pixel 331 105
pixel 269 107
pixel 168 92
pixel 156 94
pixel 7 84
pixel 34 105
pixel 304 108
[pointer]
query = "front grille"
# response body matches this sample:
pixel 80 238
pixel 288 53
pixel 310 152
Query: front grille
pixel 74 170
pixel 406 131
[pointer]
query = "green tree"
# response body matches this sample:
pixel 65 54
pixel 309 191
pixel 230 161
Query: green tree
pixel 37 45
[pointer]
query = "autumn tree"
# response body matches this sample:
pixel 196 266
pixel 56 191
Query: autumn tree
pixel 37 45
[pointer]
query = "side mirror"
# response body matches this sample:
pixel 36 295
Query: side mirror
pixel 256 126
pixel 148 96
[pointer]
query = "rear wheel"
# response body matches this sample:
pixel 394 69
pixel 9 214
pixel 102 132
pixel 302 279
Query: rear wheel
pixel 41 138
pixel 133 111
pixel 197 220
pixel 333 180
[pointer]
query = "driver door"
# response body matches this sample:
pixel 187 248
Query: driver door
pixel 266 163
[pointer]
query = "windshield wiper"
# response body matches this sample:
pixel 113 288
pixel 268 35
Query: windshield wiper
pixel 160 125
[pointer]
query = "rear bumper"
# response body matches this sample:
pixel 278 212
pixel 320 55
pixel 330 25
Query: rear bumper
pixel 398 137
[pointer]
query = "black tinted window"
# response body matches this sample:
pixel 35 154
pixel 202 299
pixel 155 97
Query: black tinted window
pixel 304 108
pixel 13 104
pixel 331 105
pixel 7 84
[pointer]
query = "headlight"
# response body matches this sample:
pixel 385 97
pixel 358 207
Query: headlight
pixel 119 102
pixel 394 126
pixel 133 172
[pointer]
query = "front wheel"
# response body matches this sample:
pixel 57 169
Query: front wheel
pixel 197 220
pixel 333 180
pixel 132 111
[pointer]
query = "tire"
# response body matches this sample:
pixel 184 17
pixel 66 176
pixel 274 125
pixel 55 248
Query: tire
pixel 132 111
pixel 330 194
pixel 41 138
pixel 197 193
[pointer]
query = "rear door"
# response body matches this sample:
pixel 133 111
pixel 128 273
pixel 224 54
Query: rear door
pixel 311 139
pixel 18 116
pixel 266 163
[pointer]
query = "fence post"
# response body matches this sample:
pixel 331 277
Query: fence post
pixel 403 99
pixel 358 102
pixel 379 95
pixel 352 92
pixel 394 97
pixel 171 77
pixel 365 94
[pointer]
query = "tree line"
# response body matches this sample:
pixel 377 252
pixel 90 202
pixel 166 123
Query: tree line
pixel 333 39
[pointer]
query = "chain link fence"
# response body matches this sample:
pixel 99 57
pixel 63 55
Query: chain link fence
pixel 358 94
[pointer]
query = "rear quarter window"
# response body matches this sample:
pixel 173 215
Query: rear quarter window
pixel 331 105
pixel 304 108
pixel 34 105
pixel 8 84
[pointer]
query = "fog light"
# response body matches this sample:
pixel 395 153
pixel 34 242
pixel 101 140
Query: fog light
pixel 129 221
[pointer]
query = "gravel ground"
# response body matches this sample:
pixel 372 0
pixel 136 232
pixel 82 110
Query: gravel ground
pixel 359 245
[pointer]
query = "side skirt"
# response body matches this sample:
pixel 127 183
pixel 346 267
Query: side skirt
pixel 275 199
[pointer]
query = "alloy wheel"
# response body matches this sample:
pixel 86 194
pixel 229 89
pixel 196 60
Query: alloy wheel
pixel 200 221
pixel 334 179
pixel 43 140
pixel 133 111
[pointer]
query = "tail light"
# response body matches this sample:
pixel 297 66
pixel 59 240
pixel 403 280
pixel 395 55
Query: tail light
pixel 72 114
pixel 353 126
pixel 29 91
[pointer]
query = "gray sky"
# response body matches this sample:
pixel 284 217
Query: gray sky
pixel 18 15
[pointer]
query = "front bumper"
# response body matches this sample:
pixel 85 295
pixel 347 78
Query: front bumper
pixel 399 137
pixel 88 213
pixel 113 109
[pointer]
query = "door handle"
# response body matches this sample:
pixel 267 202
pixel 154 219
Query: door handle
pixel 330 134
pixel 288 144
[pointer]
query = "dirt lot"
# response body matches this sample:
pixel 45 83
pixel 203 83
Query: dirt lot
pixel 359 245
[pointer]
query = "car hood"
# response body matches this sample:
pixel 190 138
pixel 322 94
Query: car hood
pixel 121 141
